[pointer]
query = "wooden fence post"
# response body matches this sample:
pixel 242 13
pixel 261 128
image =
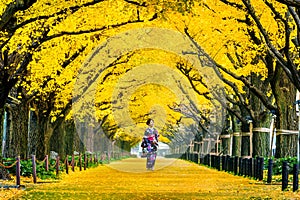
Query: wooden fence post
pixel 80 162
pixel 87 160
pixel 33 168
pixel 84 160
pixel 67 165
pixel 18 171
pixel 73 162
pixel 57 165
pixel 47 163
pixel 97 159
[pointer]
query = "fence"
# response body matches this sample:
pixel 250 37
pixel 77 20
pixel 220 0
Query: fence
pixel 82 162
pixel 247 166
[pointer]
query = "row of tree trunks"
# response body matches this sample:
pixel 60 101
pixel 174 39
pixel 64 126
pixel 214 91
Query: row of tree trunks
pixel 238 144
pixel 31 133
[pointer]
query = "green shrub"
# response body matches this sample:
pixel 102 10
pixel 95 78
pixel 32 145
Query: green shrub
pixel 277 164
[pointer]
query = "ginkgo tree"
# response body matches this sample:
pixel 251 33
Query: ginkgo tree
pixel 44 43
pixel 249 60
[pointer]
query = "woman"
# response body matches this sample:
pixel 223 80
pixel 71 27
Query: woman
pixel 150 142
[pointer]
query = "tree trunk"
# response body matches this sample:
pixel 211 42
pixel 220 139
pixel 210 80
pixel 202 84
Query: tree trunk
pixel 33 133
pixel 225 144
pixel 44 133
pixel 245 149
pixel 58 141
pixel 16 131
pixel 261 118
pixel 65 139
pixel 236 144
pixel 19 116
pixel 261 142
pixel 285 93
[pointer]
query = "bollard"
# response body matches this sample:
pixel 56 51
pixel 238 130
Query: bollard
pixel 244 166
pixel 223 163
pixel 235 165
pixel 208 160
pixel 212 161
pixel 270 171
pixel 295 177
pixel 201 159
pixel 227 164
pixel 230 164
pixel 218 163
pixel 247 166
pixel 18 171
pixel 251 167
pixel 255 168
pixel 261 169
pixel 33 168
pixel 285 175
pixel 196 158
pixel 240 166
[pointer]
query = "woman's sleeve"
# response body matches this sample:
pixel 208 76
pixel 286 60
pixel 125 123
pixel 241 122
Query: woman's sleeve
pixel 146 132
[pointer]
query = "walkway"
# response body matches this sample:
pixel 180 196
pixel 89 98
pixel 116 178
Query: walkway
pixel 172 179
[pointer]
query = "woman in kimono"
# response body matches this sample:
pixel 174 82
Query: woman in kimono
pixel 150 143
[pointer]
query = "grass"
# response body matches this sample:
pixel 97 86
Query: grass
pixel 172 179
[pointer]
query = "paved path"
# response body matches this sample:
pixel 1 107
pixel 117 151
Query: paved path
pixel 172 179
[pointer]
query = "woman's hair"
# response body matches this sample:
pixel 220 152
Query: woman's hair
pixel 148 121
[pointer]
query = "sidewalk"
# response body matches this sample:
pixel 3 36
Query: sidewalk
pixel 172 179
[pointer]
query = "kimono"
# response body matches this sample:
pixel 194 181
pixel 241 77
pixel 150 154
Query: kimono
pixel 150 145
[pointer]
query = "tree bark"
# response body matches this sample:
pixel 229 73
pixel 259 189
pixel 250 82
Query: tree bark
pixel 285 93
pixel 19 116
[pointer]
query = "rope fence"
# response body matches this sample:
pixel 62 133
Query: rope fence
pixel 80 161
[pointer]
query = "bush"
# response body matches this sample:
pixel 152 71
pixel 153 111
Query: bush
pixel 26 168
pixel 277 164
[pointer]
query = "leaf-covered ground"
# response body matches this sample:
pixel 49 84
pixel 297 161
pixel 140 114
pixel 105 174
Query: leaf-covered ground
pixel 172 179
